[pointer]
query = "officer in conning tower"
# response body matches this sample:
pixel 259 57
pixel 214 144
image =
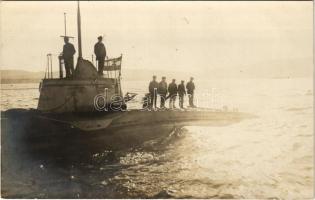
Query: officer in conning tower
pixel 100 53
pixel 67 54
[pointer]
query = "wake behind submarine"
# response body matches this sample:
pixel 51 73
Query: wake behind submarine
pixel 67 111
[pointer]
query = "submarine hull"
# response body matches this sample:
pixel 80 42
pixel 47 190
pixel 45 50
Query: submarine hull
pixel 52 131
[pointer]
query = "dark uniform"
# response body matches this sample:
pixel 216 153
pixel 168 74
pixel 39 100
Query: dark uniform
pixel 181 93
pixel 162 90
pixel 172 89
pixel 153 92
pixel 100 53
pixel 67 54
pixel 190 86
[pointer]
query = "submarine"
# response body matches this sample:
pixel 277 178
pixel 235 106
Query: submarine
pixel 90 109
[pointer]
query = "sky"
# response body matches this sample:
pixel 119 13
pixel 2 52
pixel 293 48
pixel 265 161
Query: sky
pixel 179 36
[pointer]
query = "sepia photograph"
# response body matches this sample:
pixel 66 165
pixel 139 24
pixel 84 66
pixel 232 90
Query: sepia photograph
pixel 157 99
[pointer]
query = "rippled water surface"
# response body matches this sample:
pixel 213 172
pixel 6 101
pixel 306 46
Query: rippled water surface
pixel 270 156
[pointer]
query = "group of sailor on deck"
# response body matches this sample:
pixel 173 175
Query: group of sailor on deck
pixel 69 51
pixel 162 89
pixel 173 90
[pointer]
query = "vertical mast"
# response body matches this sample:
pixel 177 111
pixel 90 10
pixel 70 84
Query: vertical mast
pixel 79 31
pixel 65 20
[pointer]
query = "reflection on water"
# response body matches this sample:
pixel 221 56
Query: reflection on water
pixel 267 157
pixel 19 96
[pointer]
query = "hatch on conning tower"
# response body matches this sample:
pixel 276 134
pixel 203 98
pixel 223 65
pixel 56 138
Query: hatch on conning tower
pixel 85 90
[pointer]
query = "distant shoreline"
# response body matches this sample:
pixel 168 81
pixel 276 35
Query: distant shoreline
pixel 23 81
pixel 22 76
pixel 19 81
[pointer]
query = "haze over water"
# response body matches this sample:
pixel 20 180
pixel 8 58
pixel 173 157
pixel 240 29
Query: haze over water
pixel 270 156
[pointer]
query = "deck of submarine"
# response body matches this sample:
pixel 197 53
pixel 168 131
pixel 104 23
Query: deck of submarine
pixel 148 118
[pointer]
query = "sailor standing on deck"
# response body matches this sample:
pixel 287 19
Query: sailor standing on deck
pixel 100 53
pixel 190 91
pixel 172 89
pixel 67 54
pixel 153 92
pixel 162 90
pixel 181 93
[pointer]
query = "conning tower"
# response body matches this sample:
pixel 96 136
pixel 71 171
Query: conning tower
pixel 86 90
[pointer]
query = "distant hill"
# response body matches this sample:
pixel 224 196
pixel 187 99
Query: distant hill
pixel 22 76
pixel 295 68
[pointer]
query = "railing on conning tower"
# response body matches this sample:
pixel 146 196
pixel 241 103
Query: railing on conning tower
pixel 112 67
pixel 50 66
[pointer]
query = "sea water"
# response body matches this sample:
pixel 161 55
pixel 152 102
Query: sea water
pixel 270 156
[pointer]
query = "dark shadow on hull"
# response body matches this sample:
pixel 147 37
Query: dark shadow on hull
pixel 50 159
